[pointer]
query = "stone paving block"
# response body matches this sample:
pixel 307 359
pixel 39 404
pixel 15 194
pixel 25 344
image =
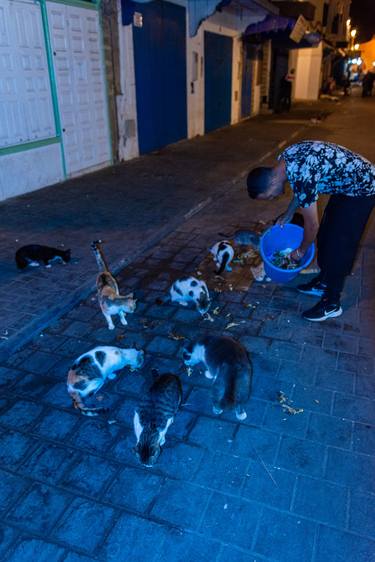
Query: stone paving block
pixel 158 311
pixel 341 381
pixel 330 430
pixel 277 420
pixel 10 489
pixel 354 408
pixel 73 557
pixel 284 304
pixel 228 478
pixel 268 388
pixel 122 450
pixel 47 463
pixel 179 460
pixel 134 488
pixel 125 413
pixel 186 315
pixel 272 330
pixel 257 344
pixel 34 549
pixel 89 475
pixel 40 362
pixel 130 382
pixel 181 503
pixel 362 513
pixel 365 386
pixel 367 347
pixel 39 509
pixel 178 547
pixel 84 524
pixel 231 520
pixel 134 539
pixel 58 396
pixel 34 386
pixel 13 447
pixel 214 434
pixel 341 546
pixel 321 358
pixel 351 469
pixel 96 436
pixel 285 537
pixel 56 425
pixel 301 456
pixel 21 415
pixel 252 443
pixel 163 346
pixel 313 398
pixel 74 347
pixel 285 350
pixel 265 364
pixel 9 377
pixel 7 537
pixel 182 424
pixel 269 485
pixel 355 363
pixel 364 438
pixel 340 342
pixel 322 501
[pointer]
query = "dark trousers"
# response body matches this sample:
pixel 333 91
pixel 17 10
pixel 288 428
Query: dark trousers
pixel 339 235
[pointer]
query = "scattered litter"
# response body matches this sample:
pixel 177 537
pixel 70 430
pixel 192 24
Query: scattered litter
pixel 176 337
pixel 286 404
pixel 225 506
pixel 208 317
pixel 316 401
pixel 189 372
pixel 110 422
pixel 258 272
pixel 199 273
pixel 231 325
pixel 230 286
pixel 216 311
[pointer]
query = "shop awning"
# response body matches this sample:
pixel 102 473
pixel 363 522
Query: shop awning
pixel 284 31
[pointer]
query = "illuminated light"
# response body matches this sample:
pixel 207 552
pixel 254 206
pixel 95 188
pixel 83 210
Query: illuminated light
pixel 353 32
pixel 373 63
pixel 356 47
pixel 348 22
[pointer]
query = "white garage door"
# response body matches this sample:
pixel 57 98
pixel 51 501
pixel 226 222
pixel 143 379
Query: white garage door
pixel 76 46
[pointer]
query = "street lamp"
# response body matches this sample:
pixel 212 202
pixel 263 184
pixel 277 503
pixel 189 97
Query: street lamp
pixel 353 33
pixel 356 47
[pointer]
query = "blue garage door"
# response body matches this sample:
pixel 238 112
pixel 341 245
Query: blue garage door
pixel 160 74
pixel 218 80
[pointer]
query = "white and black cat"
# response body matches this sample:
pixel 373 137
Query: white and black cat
pixel 228 363
pixel 110 300
pixel 90 371
pixel 35 254
pixel 223 254
pixel 191 290
pixel 154 415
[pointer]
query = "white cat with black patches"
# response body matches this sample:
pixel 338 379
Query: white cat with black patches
pixel 155 413
pixel 228 364
pixel 90 371
pixel 191 291
pixel 223 254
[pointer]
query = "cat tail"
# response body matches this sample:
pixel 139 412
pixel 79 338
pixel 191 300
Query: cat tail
pixel 21 262
pixel 99 256
pixel 223 263
pixel 85 410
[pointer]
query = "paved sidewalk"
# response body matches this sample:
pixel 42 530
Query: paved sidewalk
pixel 131 207
pixel 276 487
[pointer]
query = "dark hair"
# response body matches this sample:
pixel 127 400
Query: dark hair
pixel 258 181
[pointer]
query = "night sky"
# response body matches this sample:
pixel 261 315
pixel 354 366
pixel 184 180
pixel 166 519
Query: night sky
pixel 362 14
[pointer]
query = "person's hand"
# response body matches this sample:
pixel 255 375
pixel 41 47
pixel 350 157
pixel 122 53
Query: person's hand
pixel 297 255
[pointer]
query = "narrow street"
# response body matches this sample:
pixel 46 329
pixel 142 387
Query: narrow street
pixel 275 487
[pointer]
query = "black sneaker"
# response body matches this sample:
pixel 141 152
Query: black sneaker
pixel 315 288
pixel 322 311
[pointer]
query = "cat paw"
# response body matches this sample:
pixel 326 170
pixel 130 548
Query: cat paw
pixel 208 375
pixel 123 321
pixel 217 411
pixel 111 326
pixel 241 415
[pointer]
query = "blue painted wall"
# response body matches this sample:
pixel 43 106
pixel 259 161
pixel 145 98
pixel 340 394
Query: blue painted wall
pixel 217 80
pixel 160 74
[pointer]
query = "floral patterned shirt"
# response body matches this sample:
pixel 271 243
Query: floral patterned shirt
pixel 315 167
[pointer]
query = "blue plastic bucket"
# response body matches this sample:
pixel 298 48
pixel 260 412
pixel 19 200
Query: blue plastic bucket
pixel 279 238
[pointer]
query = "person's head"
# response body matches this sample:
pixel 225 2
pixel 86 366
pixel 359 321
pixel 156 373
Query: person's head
pixel 264 183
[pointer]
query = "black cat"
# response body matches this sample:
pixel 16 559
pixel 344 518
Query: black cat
pixel 35 254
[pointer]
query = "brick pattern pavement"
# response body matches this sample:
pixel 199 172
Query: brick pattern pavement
pixel 272 488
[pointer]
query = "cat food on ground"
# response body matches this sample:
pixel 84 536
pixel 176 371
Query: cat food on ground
pixel 155 413
pixel 228 364
pixel 90 371
pixel 35 254
pixel 110 300
pixel 191 291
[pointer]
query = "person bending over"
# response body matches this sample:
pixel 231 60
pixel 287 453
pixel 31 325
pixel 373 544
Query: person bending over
pixel 313 168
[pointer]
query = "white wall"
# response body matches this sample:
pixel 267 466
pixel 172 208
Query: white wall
pixel 26 171
pixel 308 73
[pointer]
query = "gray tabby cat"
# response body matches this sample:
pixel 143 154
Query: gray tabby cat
pixel 154 415
pixel 228 363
